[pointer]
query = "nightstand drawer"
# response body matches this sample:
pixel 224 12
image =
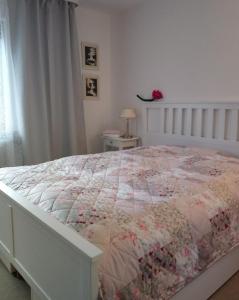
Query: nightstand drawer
pixel 119 143
pixel 111 143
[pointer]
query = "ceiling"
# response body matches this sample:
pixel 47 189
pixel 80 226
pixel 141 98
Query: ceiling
pixel 111 5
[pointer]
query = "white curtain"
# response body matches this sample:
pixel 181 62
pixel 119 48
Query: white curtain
pixel 10 141
pixel 45 55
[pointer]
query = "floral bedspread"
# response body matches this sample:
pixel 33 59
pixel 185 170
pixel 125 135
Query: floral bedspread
pixel 160 214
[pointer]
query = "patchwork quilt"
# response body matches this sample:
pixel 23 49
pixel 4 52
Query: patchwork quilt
pixel 161 215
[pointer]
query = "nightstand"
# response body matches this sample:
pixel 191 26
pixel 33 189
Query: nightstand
pixel 119 143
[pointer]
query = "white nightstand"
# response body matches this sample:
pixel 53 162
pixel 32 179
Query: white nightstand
pixel 119 143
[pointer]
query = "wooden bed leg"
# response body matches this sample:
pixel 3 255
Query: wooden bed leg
pixel 8 265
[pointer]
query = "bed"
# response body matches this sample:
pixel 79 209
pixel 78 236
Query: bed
pixel 154 222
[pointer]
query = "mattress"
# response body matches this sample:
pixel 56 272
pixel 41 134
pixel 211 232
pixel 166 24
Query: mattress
pixel 161 215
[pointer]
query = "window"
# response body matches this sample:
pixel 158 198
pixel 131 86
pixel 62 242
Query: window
pixel 2 109
pixel 10 141
pixel 4 86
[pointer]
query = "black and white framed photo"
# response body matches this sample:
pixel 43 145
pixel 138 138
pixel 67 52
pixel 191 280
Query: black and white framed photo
pixel 91 87
pixel 90 56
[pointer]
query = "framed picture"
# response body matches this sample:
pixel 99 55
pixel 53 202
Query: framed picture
pixel 90 56
pixel 91 87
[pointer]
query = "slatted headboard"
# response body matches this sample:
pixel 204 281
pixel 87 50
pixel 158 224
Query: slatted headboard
pixel 206 125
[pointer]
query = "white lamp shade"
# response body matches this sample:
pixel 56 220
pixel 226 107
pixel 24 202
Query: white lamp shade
pixel 128 113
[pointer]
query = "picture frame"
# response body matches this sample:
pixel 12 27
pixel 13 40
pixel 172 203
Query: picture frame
pixel 90 56
pixel 91 87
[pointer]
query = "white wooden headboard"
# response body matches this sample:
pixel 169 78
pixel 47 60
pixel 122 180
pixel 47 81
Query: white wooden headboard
pixel 214 125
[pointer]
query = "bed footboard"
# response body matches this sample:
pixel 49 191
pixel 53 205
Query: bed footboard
pixel 55 261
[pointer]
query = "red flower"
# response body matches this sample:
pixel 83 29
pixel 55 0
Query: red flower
pixel 157 95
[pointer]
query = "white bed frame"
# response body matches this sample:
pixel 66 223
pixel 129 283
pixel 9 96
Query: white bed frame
pixel 58 264
pixel 205 125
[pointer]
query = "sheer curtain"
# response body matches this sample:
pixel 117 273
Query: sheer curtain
pixel 10 141
pixel 46 63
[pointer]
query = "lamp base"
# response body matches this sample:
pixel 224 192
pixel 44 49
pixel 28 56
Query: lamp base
pixel 127 135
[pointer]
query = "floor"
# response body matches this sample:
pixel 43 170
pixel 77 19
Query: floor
pixel 12 288
pixel 230 291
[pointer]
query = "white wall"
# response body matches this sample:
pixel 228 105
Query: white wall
pixel 117 68
pixel 188 48
pixel 95 26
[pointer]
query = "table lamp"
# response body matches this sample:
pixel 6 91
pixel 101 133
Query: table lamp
pixel 127 113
